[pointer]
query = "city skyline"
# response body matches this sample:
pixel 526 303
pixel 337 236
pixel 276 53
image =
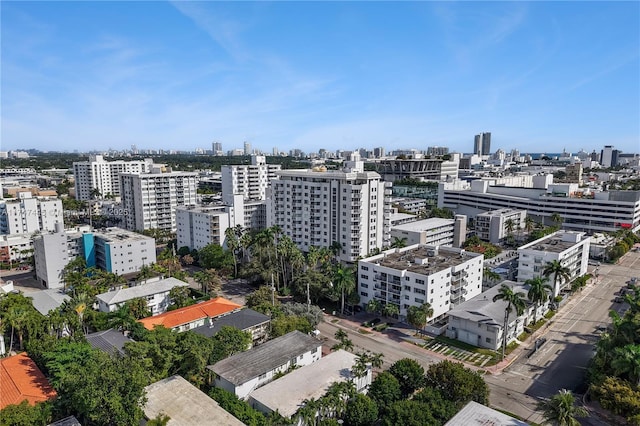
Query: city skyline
pixel 320 75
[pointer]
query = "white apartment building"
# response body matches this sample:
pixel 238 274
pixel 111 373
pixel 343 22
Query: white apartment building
pixel 444 277
pixel 104 176
pixel 150 200
pixel 431 232
pixel 53 251
pixel 250 180
pixel 118 251
pixel 316 207
pixel 419 168
pixel 15 248
pixel 199 226
pixel 493 226
pixel 570 248
pixel 113 250
pixel 155 293
pixel 580 209
pixel 28 214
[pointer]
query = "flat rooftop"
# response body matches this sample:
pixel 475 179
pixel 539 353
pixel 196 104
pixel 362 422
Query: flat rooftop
pixel 424 225
pixel 119 234
pixel 423 259
pixel 185 404
pixel 287 393
pixel 556 242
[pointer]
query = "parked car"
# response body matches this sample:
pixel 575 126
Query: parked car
pixel 618 299
pixel 375 321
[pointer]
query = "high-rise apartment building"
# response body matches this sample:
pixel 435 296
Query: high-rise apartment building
pixel 28 214
pixel 216 147
pixel 444 277
pixel 247 148
pixel 316 207
pixel 482 144
pixel 150 200
pixel 113 250
pixel 250 180
pixel 609 156
pixel 98 178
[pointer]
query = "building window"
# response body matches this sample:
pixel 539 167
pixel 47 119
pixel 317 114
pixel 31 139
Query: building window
pixel 487 339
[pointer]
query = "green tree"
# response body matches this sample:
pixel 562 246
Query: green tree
pixel 343 341
pixel 232 241
pixel 457 384
pixel 230 341
pixel 344 282
pixel 418 316
pixel 559 272
pixel 437 404
pixel 385 390
pixel 399 242
pixel 213 256
pixel 529 224
pixel 209 280
pixel 561 410
pixel 556 218
pixel 410 375
pixel 179 296
pixel 161 419
pixel 373 306
pixel 138 308
pixel 538 293
pixel 626 360
pixel 237 407
pixel 514 301
pixel 285 324
pixel 409 413
pixel 361 411
pixel 391 310
pixel 25 414
pixel 509 226
pixel 264 295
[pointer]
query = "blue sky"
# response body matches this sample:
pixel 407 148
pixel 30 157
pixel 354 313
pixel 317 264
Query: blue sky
pixel 540 76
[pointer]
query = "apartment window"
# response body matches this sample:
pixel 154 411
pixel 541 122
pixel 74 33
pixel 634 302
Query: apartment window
pixel 365 268
pixel 364 294
pixel 262 376
pixel 364 277
pixel 487 339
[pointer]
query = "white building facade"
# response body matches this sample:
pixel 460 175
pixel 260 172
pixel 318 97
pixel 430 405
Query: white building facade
pixel 156 294
pixel 250 180
pixel 53 251
pixel 441 276
pixel 570 248
pixel 28 214
pixel 103 176
pixel 493 226
pixel 431 232
pixel 316 207
pixel 580 210
pixel 150 200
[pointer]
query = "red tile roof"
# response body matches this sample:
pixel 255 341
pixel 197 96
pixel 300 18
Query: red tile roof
pixel 209 309
pixel 20 379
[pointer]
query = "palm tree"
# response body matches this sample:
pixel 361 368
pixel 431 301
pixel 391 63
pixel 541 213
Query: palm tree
pixel 627 361
pixel 16 317
pixel 418 316
pixel 560 273
pixel 399 242
pixel 390 310
pixel 509 226
pixel 560 410
pixel 538 293
pixel 344 281
pixel 490 275
pixel 556 219
pixel 373 306
pixel 514 300
pixel 529 224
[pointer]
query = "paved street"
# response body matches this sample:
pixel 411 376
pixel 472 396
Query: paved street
pixel 559 364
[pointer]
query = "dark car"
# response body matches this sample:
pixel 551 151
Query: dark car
pixel 357 308
pixel 375 321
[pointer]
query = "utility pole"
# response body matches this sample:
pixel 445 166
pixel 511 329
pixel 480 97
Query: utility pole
pixel 308 298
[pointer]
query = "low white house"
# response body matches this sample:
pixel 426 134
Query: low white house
pixel 244 372
pixel 287 394
pixel 155 293
pixel 480 321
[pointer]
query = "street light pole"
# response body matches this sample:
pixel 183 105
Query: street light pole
pixel 308 298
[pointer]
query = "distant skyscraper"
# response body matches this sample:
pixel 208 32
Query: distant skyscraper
pixel 247 148
pixel 217 148
pixel 482 144
pixel 378 152
pixel 437 150
pixel 609 156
